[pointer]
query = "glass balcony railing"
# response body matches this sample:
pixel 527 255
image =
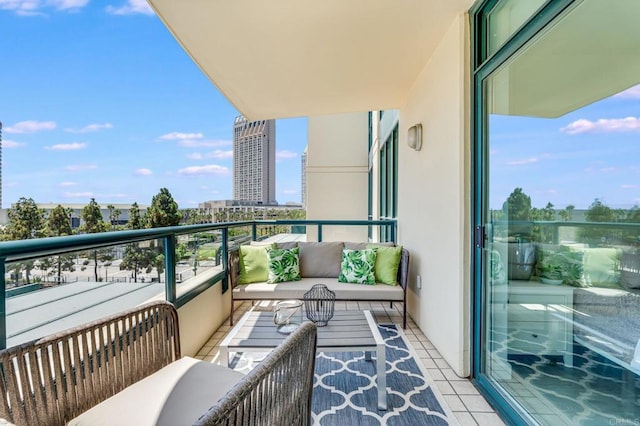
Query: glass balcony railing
pixel 52 284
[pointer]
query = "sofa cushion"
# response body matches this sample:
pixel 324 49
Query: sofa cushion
pixel 176 394
pixel 387 263
pixel 283 265
pixel 296 290
pixel 254 264
pixel 357 266
pixel 320 260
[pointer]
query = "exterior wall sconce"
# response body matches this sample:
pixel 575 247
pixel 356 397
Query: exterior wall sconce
pixel 414 137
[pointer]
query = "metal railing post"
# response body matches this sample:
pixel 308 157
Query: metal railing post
pixel 3 306
pixel 225 258
pixel 170 268
pixel 319 232
pixel 254 231
pixel 393 231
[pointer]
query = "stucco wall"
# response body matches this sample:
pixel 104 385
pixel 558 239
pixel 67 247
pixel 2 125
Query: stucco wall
pixel 433 203
pixel 202 317
pixel 336 161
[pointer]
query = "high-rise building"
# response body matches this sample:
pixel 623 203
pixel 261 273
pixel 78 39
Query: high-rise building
pixel 303 178
pixel 254 160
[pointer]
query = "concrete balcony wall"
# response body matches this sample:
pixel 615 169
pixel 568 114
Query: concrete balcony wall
pixel 337 174
pixel 434 193
pixel 201 317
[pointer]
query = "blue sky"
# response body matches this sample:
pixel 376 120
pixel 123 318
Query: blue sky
pixel 589 153
pixel 99 100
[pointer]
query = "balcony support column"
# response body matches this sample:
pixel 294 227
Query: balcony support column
pixel 225 260
pixel 170 268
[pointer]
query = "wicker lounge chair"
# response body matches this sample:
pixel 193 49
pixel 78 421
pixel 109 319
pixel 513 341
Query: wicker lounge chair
pixel 93 371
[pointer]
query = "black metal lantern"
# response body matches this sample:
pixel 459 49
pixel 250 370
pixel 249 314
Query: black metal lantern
pixel 319 303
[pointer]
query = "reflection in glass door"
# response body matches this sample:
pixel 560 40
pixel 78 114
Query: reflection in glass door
pixel 561 184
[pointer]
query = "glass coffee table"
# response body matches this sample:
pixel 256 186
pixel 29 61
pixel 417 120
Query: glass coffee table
pixel 347 331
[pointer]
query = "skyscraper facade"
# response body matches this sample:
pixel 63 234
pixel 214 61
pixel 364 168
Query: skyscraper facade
pixel 254 160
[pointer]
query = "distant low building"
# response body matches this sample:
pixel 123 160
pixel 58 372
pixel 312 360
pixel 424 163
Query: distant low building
pixel 230 210
pixel 76 212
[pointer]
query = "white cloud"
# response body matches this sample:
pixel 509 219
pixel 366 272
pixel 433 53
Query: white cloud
pixel 91 128
pixel 67 146
pixel 86 194
pixel 173 136
pixel 210 169
pixel 80 167
pixel 131 7
pixel 623 186
pixel 608 169
pixel 291 191
pixel 631 93
pixel 143 172
pixel 11 144
pixel 285 155
pixel 66 184
pixel 30 126
pixel 195 156
pixel 68 4
pixel 522 162
pixel 10 184
pixel 627 124
pixel 34 7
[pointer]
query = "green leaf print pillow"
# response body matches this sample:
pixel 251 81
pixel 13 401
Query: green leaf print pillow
pixel 357 266
pixel 284 265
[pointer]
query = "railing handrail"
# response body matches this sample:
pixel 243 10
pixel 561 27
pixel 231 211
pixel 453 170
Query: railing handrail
pixel 20 250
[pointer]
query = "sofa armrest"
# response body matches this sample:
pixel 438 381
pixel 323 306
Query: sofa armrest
pixel 403 269
pixel 234 267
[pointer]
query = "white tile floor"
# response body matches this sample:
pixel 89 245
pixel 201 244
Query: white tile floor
pixel 464 400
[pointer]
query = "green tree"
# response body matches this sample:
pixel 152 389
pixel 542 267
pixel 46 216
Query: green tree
pixel 92 224
pixel 135 258
pixel 114 216
pixel 59 225
pixel 517 209
pixel 26 221
pixel 599 212
pixel 163 210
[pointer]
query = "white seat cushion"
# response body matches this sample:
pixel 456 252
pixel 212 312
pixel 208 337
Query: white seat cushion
pixel 296 289
pixel 178 394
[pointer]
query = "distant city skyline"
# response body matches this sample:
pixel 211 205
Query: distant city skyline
pixel 99 101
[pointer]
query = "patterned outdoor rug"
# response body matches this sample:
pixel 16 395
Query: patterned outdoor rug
pixel 345 390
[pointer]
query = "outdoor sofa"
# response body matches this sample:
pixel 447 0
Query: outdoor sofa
pixel 319 263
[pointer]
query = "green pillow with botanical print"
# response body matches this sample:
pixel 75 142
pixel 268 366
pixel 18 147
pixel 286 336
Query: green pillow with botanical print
pixel 358 266
pixel 284 265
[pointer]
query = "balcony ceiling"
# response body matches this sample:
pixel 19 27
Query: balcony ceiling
pixel 287 58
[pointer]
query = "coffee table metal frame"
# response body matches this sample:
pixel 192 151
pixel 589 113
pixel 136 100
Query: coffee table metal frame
pixel 347 331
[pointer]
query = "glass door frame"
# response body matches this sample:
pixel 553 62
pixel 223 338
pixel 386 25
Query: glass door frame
pixel 481 68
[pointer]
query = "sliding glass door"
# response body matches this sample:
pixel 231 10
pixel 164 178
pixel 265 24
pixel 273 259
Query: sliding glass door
pixel 558 137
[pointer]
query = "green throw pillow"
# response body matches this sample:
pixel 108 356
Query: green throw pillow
pixel 357 266
pixel 387 263
pixel 284 265
pixel 254 264
pixel 562 264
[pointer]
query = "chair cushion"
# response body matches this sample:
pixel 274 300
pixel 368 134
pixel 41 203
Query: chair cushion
pixel 387 263
pixel 283 265
pixel 320 260
pixel 296 290
pixel 177 394
pixel 254 264
pixel 357 266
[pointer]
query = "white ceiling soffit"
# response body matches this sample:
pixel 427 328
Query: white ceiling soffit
pixel 287 58
pixel 590 54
